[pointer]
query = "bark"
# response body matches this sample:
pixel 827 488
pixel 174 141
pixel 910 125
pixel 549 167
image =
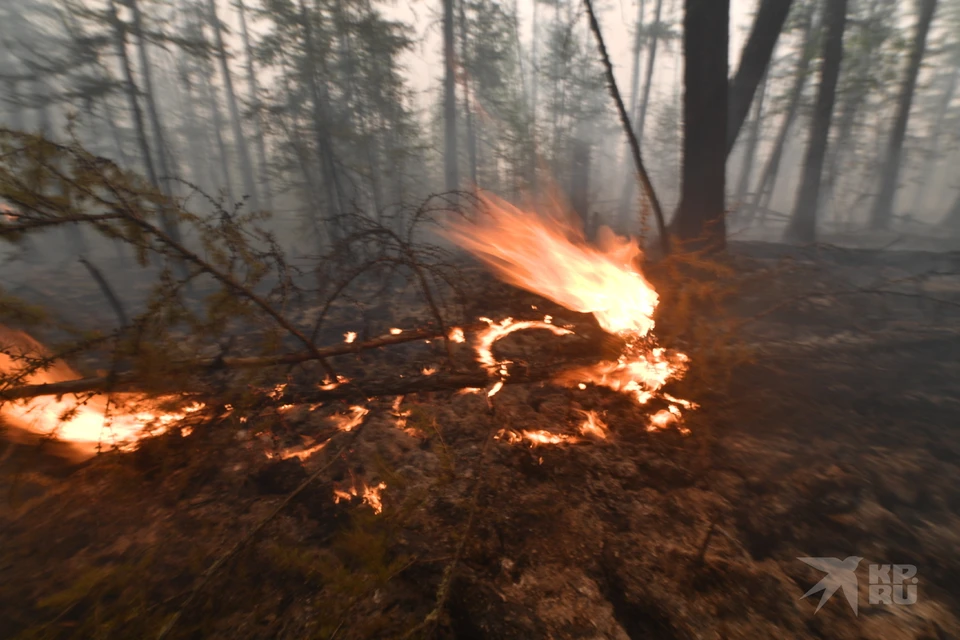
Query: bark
pixel 802 226
pixel 890 173
pixel 750 152
pixel 768 179
pixel 700 218
pixel 754 62
pixel 265 187
pixel 239 141
pixel 451 177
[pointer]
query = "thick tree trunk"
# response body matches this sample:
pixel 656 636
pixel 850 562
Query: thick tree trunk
pixel 265 187
pixel 890 174
pixel 768 179
pixel 239 141
pixel 802 226
pixel 754 62
pixel 700 219
pixel 451 175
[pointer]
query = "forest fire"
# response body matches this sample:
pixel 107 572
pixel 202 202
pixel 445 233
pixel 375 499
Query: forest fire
pixel 550 257
pixel 90 423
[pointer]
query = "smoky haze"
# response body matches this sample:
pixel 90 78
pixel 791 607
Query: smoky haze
pixel 241 102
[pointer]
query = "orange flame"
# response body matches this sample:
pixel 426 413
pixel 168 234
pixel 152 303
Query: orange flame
pixel 551 258
pixel 91 423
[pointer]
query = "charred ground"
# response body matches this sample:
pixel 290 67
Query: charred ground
pixel 826 428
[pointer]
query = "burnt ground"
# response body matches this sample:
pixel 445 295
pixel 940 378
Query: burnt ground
pixel 829 428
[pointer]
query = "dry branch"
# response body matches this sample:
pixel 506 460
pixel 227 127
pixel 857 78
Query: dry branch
pixel 131 380
pixel 628 128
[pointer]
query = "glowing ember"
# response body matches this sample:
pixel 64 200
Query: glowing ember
pixel 593 426
pixel 302 454
pixel 545 437
pixel 91 423
pixel 456 335
pixel 428 371
pixel 401 419
pixel 349 337
pixel 396 332
pixel 551 258
pixel 498 330
pixel 350 421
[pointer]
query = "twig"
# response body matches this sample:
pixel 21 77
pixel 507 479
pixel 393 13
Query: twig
pixel 107 292
pixel 631 137
pixel 243 541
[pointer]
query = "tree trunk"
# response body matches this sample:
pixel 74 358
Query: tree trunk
pixel 467 112
pixel 754 62
pixel 768 179
pixel 749 154
pixel 240 143
pixel 169 222
pixel 890 174
pixel 212 97
pixel 265 187
pixel 451 176
pixel 802 226
pixel 321 129
pixel 700 216
pixel 131 91
pixel 936 132
pixel 952 220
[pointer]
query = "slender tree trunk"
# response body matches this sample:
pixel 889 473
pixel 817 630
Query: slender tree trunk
pixel 16 112
pixel 936 133
pixel 265 187
pixel 890 174
pixel 131 91
pixel 451 177
pixel 321 129
pixel 637 48
pixel 169 222
pixel 212 98
pixel 239 141
pixel 754 62
pixel 701 215
pixel 803 225
pixel 768 178
pixel 467 111
pixel 749 154
pixel 640 113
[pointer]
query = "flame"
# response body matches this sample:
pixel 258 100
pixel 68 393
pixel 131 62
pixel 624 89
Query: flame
pixel 592 425
pixel 549 257
pixel 91 423
pixel 303 454
pixel 533 254
pixel 395 331
pixel 545 437
pixel 370 495
pixel 456 335
pixel 351 420
pixel 349 337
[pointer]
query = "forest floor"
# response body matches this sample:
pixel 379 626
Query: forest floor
pixel 834 433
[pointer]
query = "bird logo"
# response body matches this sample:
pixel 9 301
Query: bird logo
pixel 841 574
